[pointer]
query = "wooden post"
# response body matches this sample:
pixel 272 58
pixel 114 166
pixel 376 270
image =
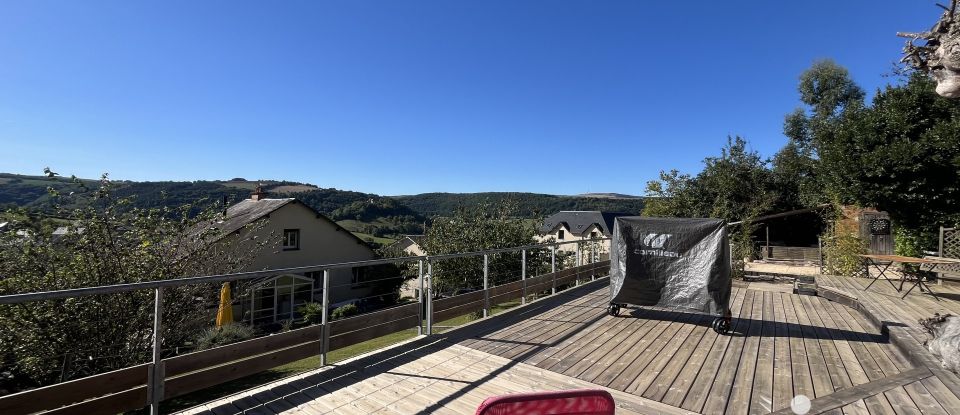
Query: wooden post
pixel 766 249
pixel 820 249
pixel 940 246
pixel 940 254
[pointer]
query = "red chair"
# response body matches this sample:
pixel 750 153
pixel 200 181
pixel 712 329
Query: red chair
pixel 571 402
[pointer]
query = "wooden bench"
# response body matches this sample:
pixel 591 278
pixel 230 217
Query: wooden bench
pixel 946 272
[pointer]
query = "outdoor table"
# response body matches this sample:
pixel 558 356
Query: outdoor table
pixel 883 262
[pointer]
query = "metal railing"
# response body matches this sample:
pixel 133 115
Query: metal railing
pixel 155 376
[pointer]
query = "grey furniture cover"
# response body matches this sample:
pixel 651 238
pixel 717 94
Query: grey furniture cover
pixel 670 262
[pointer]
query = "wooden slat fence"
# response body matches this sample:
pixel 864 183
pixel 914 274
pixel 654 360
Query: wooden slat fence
pixel 126 389
pixel 792 253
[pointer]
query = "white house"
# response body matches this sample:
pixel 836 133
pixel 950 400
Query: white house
pixel 566 226
pixel 409 245
pixel 306 238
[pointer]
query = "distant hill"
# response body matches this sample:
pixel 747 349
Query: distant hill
pixel 365 213
pixel 608 196
pixel 529 204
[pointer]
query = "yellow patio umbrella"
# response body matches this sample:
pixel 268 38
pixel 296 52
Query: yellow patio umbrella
pixel 225 312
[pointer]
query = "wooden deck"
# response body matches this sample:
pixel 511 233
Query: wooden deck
pixel 883 306
pixel 653 361
pixel 884 299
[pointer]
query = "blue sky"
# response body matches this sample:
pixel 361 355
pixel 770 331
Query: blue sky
pixel 402 97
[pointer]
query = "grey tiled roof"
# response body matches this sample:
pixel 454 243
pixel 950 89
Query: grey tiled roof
pixel 247 211
pixel 578 221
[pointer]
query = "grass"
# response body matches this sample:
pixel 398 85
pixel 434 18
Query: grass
pixel 311 363
pixel 377 239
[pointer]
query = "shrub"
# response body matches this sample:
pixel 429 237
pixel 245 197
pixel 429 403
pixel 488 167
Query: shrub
pixel 312 313
pixel 841 249
pixel 220 336
pixel 908 242
pixel 344 312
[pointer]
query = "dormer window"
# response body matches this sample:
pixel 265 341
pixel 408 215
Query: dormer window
pixel 560 235
pixel 291 239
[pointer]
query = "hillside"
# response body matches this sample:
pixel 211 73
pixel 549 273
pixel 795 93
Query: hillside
pixel 529 204
pixel 362 213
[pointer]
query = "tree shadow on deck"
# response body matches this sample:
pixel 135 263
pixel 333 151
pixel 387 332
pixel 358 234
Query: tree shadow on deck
pixel 311 387
pixel 749 327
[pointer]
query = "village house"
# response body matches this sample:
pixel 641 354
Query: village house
pixel 409 245
pixel 567 226
pixel 306 237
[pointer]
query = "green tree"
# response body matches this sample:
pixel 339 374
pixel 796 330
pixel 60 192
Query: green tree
pixel 675 194
pixel 794 178
pixel 734 186
pixel 828 93
pixel 480 227
pixel 107 241
pixel 902 155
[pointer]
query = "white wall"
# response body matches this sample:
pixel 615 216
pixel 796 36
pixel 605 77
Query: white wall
pixel 320 243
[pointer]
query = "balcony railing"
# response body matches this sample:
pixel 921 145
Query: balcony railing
pixel 165 377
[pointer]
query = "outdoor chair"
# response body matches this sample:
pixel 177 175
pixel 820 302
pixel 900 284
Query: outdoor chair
pixel 571 402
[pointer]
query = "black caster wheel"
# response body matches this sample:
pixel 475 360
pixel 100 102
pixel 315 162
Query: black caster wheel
pixel 721 325
pixel 613 310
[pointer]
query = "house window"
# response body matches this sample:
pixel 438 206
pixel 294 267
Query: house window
pixel 560 235
pixel 593 234
pixel 358 276
pixel 291 239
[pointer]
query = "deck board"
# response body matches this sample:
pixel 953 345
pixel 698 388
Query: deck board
pixel 900 316
pixel 653 361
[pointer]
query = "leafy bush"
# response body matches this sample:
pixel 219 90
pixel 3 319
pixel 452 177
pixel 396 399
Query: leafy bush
pixel 109 241
pixel 345 311
pixel 841 249
pixel 908 242
pixel 312 313
pixel 221 336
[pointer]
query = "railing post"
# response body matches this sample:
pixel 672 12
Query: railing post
pixel 325 319
pixel 523 276
pixel 576 279
pixel 420 298
pixel 579 254
pixel 940 245
pixel 593 259
pixel 429 297
pixel 819 251
pixel 553 269
pixel 155 387
pixel 486 287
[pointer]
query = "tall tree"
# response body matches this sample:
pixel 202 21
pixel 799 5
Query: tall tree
pixel 902 155
pixel 734 186
pixel 476 228
pixel 828 92
pixel 104 240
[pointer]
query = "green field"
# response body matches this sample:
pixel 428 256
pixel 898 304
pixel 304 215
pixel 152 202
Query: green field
pixel 354 225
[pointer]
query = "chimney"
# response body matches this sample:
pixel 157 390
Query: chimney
pixel 258 194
